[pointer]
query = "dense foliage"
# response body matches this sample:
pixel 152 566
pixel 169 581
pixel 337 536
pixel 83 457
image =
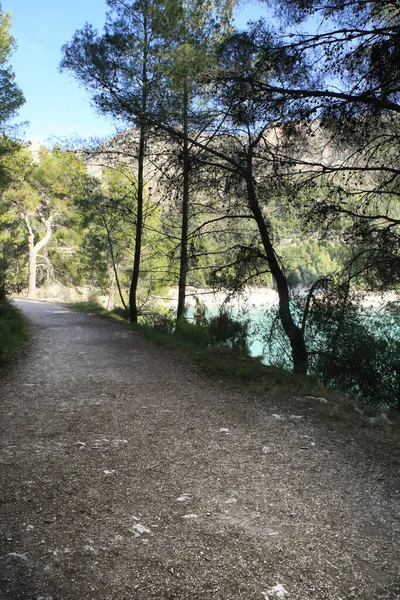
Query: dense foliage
pixel 11 97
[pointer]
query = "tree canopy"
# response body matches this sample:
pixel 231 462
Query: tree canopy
pixel 11 97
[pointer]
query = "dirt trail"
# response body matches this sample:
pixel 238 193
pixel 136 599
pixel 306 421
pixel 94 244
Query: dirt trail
pixel 124 475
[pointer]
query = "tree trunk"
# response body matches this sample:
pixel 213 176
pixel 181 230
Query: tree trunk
pixel 184 259
pixel 111 290
pixel 32 254
pixel 3 279
pixel 34 249
pixel 133 308
pixel 294 333
pixel 113 261
pixel 3 275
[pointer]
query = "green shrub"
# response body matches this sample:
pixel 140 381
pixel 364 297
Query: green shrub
pixel 358 351
pixel 122 312
pixel 160 321
pixel 226 331
pixel 13 332
pixel 193 333
pixel 221 330
pixel 200 313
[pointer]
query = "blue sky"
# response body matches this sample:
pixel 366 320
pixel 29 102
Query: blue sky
pixel 55 104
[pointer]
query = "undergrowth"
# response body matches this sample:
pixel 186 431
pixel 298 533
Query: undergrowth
pixel 100 311
pixel 13 333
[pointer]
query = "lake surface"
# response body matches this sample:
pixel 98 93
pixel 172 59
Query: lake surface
pixel 258 309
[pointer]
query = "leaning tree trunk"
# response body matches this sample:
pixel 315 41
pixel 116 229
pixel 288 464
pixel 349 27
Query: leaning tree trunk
pixel 34 249
pixel 294 333
pixel 113 262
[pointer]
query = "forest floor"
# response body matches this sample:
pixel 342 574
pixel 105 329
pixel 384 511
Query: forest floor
pixel 124 474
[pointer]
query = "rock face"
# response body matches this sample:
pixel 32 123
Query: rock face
pixel 161 171
pixel 162 167
pixel 34 148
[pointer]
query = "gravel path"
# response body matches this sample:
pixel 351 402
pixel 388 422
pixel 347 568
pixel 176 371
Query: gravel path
pixel 127 476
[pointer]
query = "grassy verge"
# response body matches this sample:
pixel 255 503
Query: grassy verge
pixel 250 374
pixel 13 334
pixel 92 308
pixel 223 363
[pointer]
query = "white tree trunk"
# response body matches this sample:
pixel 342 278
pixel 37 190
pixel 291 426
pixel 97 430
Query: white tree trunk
pixel 33 250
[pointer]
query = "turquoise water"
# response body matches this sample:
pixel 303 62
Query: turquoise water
pixel 365 358
pixel 382 323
